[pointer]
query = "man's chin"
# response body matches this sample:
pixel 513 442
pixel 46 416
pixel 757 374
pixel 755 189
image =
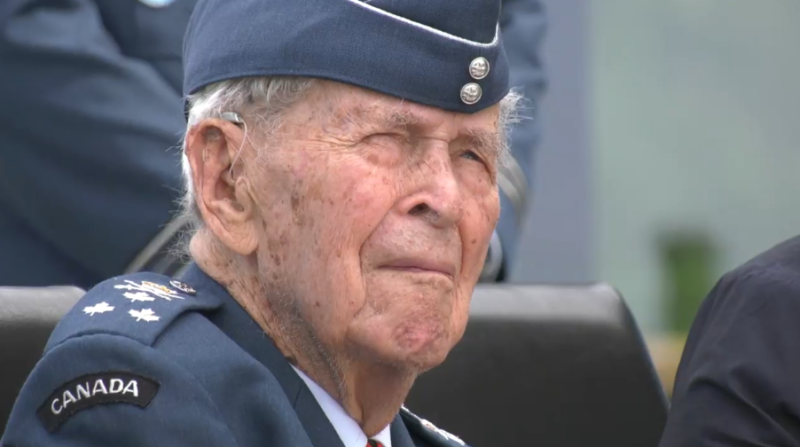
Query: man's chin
pixel 421 352
pixel 424 361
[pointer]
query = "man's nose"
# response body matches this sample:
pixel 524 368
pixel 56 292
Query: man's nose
pixel 437 198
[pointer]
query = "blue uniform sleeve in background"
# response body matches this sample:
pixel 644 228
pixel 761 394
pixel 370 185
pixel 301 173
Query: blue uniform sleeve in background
pixel 523 25
pixel 88 137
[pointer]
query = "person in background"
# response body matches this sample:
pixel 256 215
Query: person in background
pixel 92 117
pixel 89 173
pixel 523 26
pixel 737 383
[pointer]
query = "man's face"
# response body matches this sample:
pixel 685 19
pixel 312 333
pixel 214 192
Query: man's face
pixel 376 218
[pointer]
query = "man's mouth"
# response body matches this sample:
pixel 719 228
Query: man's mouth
pixel 422 265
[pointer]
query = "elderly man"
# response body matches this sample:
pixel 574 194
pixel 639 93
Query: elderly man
pixel 341 159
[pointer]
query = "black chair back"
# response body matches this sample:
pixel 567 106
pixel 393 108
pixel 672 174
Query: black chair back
pixel 538 365
pixel 546 366
pixel 27 317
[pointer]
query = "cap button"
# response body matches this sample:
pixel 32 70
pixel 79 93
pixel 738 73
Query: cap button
pixel 479 68
pixel 471 93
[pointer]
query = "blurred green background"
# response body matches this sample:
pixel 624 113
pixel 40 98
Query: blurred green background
pixel 670 152
pixel 695 134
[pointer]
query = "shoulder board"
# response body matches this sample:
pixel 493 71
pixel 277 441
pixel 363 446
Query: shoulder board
pixel 428 431
pixel 138 306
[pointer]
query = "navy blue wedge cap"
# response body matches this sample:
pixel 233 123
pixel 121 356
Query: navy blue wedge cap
pixel 441 53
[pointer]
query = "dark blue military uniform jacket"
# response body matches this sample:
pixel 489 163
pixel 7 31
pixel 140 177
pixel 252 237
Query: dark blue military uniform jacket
pixel 738 383
pixel 145 361
pixel 90 131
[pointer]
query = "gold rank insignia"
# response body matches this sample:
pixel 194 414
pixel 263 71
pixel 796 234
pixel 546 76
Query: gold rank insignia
pixel 163 289
pixel 146 291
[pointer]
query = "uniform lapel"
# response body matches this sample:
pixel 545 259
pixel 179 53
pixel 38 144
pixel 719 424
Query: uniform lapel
pixel 317 425
pixel 400 435
pixel 237 324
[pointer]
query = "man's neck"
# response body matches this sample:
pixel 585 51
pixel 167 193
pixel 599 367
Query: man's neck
pixel 375 394
pixel 371 392
pixel 350 432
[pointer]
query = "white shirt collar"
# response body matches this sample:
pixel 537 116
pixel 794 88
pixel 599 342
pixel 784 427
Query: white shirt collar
pixel 347 428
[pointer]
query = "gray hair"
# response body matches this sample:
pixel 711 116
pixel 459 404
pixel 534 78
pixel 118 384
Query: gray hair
pixel 263 100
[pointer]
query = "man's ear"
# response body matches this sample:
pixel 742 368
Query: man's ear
pixel 222 191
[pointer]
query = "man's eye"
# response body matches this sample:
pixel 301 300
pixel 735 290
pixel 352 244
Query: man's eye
pixel 472 156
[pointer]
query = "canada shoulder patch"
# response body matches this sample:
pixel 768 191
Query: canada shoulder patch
pixel 95 389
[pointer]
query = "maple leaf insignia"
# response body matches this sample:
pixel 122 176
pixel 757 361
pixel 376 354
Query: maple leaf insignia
pixel 144 314
pixel 98 308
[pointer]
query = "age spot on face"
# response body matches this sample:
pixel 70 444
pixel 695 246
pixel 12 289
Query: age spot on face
pixel 295 200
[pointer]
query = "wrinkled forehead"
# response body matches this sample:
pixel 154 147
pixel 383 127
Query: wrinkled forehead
pixel 354 108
